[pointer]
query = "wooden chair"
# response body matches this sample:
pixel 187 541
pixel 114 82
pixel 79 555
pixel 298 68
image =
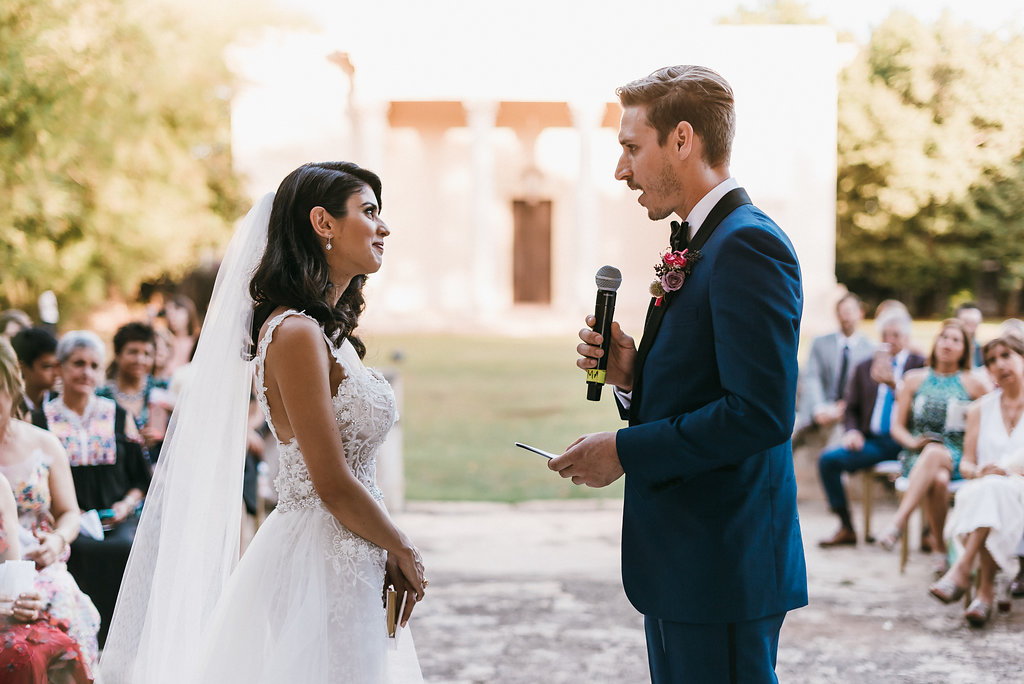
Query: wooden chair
pixel 886 470
pixel 901 485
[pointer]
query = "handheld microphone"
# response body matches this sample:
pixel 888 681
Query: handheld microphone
pixel 608 280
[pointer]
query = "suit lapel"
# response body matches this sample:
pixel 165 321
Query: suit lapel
pixel 733 199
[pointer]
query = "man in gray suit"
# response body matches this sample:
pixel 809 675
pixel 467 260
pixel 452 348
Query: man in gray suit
pixel 829 367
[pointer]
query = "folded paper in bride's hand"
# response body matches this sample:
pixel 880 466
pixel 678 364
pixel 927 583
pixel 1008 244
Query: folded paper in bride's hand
pixel 394 614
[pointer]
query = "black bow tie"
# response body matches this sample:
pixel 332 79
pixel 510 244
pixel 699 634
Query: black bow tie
pixel 680 237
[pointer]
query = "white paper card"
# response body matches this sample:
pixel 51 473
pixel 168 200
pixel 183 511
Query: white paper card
pixel 16 577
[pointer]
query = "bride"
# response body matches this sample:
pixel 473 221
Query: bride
pixel 305 602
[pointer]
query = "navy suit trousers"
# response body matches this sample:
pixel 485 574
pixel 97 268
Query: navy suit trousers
pixel 726 653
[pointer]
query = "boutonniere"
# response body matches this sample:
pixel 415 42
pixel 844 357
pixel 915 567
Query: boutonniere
pixel 672 272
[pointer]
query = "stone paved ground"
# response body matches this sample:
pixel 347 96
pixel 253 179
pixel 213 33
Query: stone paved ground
pixel 530 593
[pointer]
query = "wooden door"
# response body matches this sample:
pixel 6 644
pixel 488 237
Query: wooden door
pixel 531 258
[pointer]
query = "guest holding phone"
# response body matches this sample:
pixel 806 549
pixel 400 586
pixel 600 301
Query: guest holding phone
pixel 110 471
pixel 132 385
pixel 931 410
pixel 869 411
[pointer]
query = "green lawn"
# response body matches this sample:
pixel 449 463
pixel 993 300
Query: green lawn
pixel 467 399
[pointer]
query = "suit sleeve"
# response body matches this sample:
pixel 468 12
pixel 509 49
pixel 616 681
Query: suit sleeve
pixel 755 301
pixel 811 390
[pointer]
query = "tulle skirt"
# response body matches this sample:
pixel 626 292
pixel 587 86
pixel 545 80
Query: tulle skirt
pixel 304 605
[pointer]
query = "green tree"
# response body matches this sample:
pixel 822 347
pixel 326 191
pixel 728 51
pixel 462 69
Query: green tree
pixel 114 135
pixel 931 131
pixel 775 12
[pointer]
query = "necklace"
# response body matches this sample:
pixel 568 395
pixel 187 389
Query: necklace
pixel 128 397
pixel 1011 412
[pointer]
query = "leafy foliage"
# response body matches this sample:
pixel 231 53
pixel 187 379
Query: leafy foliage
pixel 775 12
pixel 114 134
pixel 931 135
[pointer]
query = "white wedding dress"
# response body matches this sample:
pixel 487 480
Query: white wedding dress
pixel 304 603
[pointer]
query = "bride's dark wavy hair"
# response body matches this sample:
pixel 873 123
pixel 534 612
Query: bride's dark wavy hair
pixel 293 271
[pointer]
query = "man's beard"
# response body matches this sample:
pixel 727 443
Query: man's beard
pixel 666 185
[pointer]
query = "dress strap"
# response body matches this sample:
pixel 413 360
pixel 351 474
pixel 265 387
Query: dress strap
pixel 261 358
pixel 261 350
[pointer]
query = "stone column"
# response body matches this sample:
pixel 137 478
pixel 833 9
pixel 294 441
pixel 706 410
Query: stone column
pixel 586 118
pixel 481 116
pixel 370 134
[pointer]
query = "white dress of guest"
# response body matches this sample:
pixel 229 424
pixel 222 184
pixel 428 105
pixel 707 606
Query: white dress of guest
pixel 993 501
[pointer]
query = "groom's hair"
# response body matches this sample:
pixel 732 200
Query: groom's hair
pixel 689 93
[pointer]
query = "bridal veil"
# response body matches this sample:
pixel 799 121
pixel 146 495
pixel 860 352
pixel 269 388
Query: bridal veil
pixel 188 538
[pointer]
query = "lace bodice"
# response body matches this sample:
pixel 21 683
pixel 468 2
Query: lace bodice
pixel 364 408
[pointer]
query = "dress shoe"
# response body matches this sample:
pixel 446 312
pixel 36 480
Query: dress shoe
pixel 1017 585
pixel 843 537
pixel 978 612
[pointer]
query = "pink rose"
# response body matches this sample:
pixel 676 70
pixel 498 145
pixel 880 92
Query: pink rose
pixel 672 281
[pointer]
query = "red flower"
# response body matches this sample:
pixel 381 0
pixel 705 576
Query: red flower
pixel 675 258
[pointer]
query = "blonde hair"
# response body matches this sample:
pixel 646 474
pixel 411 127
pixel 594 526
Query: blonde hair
pixel 691 93
pixel 10 376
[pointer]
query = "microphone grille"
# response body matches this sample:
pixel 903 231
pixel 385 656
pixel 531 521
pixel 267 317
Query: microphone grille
pixel 608 278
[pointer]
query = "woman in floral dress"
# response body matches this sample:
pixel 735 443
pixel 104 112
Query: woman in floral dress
pixel 39 475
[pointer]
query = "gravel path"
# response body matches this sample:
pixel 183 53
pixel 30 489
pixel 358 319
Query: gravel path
pixel 531 593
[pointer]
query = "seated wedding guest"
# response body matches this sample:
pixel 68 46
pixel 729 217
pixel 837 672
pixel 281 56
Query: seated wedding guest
pixel 869 406
pixel 37 469
pixel 110 472
pixel 132 386
pixel 833 357
pixel 931 410
pixel 36 647
pixel 988 518
pixel 1012 327
pixel 13 321
pixel 37 354
pixel 969 314
pixel 183 324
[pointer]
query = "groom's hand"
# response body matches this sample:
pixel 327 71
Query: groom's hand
pixel 591 460
pixel 621 354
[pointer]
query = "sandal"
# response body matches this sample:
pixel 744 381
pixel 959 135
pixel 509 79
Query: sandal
pixel 948 591
pixel 978 612
pixel 940 564
pixel 888 540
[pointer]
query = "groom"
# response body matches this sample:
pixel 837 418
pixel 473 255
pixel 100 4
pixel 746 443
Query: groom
pixel 711 549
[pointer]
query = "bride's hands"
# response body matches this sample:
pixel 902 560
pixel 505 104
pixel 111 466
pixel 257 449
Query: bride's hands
pixel 404 570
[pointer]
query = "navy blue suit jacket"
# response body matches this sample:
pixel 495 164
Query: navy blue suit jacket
pixel 710 526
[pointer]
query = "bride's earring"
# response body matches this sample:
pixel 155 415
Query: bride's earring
pixel 329 247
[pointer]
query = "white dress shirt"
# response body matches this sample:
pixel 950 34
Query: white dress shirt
pixel 899 361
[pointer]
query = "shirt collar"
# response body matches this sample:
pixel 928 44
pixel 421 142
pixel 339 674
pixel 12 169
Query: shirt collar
pixel 700 211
